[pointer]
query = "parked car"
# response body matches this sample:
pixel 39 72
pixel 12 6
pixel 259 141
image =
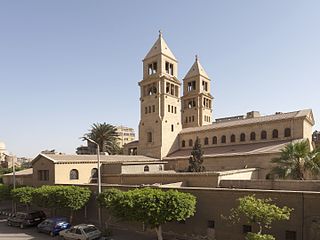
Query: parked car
pixel 81 232
pixel 24 219
pixel 53 226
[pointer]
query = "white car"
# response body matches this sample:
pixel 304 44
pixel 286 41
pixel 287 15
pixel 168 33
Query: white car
pixel 81 232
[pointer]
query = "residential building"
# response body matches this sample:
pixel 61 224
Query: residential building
pixel 126 135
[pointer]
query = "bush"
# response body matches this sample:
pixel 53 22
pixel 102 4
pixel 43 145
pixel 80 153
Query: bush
pixel 256 236
pixel 5 192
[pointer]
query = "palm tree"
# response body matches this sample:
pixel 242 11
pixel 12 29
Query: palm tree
pixel 106 136
pixel 297 161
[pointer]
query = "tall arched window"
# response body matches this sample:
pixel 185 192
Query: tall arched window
pixel 275 133
pixel 287 132
pixel 183 144
pixel 214 140
pixel 242 137
pixel 206 141
pixel 146 168
pixel 232 138
pixel 252 136
pixel 94 173
pixel 190 143
pixel 223 139
pixel 263 134
pixel 74 174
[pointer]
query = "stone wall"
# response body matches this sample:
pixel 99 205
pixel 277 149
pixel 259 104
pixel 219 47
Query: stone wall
pixel 295 185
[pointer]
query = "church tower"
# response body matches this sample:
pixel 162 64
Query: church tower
pixel 196 99
pixel 160 105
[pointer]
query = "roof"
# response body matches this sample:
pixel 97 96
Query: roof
pixel 196 70
pixel 234 150
pixel 27 171
pixel 160 47
pixel 63 158
pixel 306 113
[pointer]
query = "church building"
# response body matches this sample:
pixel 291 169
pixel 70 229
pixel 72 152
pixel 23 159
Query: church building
pixel 170 123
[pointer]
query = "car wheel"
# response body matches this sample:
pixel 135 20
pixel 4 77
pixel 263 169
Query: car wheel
pixel 51 234
pixel 9 223
pixel 21 226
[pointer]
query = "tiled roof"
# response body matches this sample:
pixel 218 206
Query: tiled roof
pixel 241 149
pixel 27 171
pixel 232 123
pixel 60 158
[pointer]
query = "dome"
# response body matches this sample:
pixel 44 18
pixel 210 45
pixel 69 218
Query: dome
pixel 2 146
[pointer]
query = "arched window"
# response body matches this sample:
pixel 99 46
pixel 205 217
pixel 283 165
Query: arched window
pixel 287 132
pixel 252 136
pixel 146 168
pixel 223 139
pixel 206 141
pixel 275 133
pixel 232 138
pixel 183 144
pixel 74 174
pixel 190 143
pixel 263 134
pixel 214 140
pixel 94 173
pixel 242 137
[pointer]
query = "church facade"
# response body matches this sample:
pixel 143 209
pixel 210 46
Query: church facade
pixel 170 123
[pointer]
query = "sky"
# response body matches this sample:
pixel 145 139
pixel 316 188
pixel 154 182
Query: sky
pixel 65 65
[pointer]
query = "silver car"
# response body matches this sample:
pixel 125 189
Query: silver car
pixel 81 232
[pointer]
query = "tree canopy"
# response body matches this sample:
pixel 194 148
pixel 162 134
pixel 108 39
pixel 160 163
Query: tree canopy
pixel 23 195
pixel 196 158
pixel 5 192
pixel 152 207
pixel 53 197
pixel 106 136
pixel 297 161
pixel 260 212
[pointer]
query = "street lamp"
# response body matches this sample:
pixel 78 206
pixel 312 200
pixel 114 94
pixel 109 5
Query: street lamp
pixel 99 175
pixel 13 169
pixel 98 156
pixel 13 180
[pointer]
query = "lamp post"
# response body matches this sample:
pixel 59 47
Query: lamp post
pixel 13 169
pixel 99 173
pixel 98 157
pixel 13 180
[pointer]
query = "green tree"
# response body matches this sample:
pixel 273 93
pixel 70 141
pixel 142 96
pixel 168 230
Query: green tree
pixel 54 197
pixel 5 192
pixel 297 161
pixel 44 197
pixel 260 212
pixel 72 198
pixel 152 207
pixel 23 195
pixel 196 158
pixel 106 136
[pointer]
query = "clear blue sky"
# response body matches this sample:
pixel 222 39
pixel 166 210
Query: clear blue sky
pixel 67 64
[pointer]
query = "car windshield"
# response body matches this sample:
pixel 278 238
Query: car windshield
pixel 90 229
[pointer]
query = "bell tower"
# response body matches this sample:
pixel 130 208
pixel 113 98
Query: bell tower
pixel 160 106
pixel 196 99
